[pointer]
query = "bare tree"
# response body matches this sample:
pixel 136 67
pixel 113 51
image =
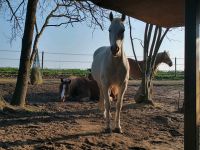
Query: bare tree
pixel 132 45
pixel 68 13
pixel 144 93
pixel 93 15
pixel 150 51
pixel 24 67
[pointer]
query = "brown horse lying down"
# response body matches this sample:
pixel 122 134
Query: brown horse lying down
pixel 135 72
pixel 78 88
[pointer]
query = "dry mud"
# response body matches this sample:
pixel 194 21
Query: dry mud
pixel 51 124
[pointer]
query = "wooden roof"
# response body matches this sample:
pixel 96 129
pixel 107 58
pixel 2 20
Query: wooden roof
pixel 165 13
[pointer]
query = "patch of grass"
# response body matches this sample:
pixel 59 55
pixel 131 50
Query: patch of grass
pixel 64 72
pixel 8 71
pixel 169 75
pixel 161 75
pixel 46 72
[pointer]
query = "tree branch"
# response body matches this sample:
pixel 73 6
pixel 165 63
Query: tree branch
pixel 131 39
pixel 149 61
pixel 63 23
pixel 90 9
pixel 13 14
pixel 140 41
pixel 17 9
pixel 158 43
pixel 149 37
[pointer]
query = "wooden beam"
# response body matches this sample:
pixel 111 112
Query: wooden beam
pixel 197 72
pixel 165 13
pixel 191 84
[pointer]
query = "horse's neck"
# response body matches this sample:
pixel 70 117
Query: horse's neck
pixel 158 61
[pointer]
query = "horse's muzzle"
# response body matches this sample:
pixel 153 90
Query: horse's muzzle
pixel 114 50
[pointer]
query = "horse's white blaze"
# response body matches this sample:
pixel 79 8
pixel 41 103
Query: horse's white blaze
pixel 119 43
pixel 116 33
pixel 63 91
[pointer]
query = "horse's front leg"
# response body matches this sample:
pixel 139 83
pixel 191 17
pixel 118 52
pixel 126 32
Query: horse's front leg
pixel 119 104
pixel 101 100
pixel 107 108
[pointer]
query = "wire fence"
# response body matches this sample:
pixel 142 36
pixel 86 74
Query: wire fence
pixel 54 60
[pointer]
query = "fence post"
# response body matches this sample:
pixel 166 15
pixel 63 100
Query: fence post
pixel 42 60
pixel 175 67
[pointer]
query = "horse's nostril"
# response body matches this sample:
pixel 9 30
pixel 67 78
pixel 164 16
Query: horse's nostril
pixel 114 49
pixel 117 48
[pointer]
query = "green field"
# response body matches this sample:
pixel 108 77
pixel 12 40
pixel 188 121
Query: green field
pixel 161 75
pixel 169 75
pixel 12 72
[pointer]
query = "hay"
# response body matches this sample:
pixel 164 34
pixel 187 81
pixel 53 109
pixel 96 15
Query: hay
pixel 36 76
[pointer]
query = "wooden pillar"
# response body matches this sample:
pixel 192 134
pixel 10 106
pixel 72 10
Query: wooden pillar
pixel 191 84
pixel 197 72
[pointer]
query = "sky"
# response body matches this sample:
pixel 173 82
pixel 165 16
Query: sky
pixel 73 47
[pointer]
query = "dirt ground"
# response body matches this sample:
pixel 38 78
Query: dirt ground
pixel 54 125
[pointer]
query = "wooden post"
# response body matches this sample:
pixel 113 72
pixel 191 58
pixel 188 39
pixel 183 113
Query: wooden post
pixel 198 73
pixel 42 60
pixel 175 67
pixel 191 83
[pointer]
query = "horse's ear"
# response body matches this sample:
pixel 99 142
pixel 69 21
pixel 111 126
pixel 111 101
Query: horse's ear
pixel 61 79
pixel 166 51
pixel 123 17
pixel 111 16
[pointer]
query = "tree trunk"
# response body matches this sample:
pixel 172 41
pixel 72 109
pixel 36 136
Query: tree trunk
pixel 144 93
pixel 19 95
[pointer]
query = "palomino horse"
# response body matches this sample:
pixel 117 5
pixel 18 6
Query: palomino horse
pixel 135 72
pixel 110 69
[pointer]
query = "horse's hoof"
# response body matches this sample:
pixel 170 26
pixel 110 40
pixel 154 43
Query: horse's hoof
pixel 104 115
pixel 117 130
pixel 108 130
